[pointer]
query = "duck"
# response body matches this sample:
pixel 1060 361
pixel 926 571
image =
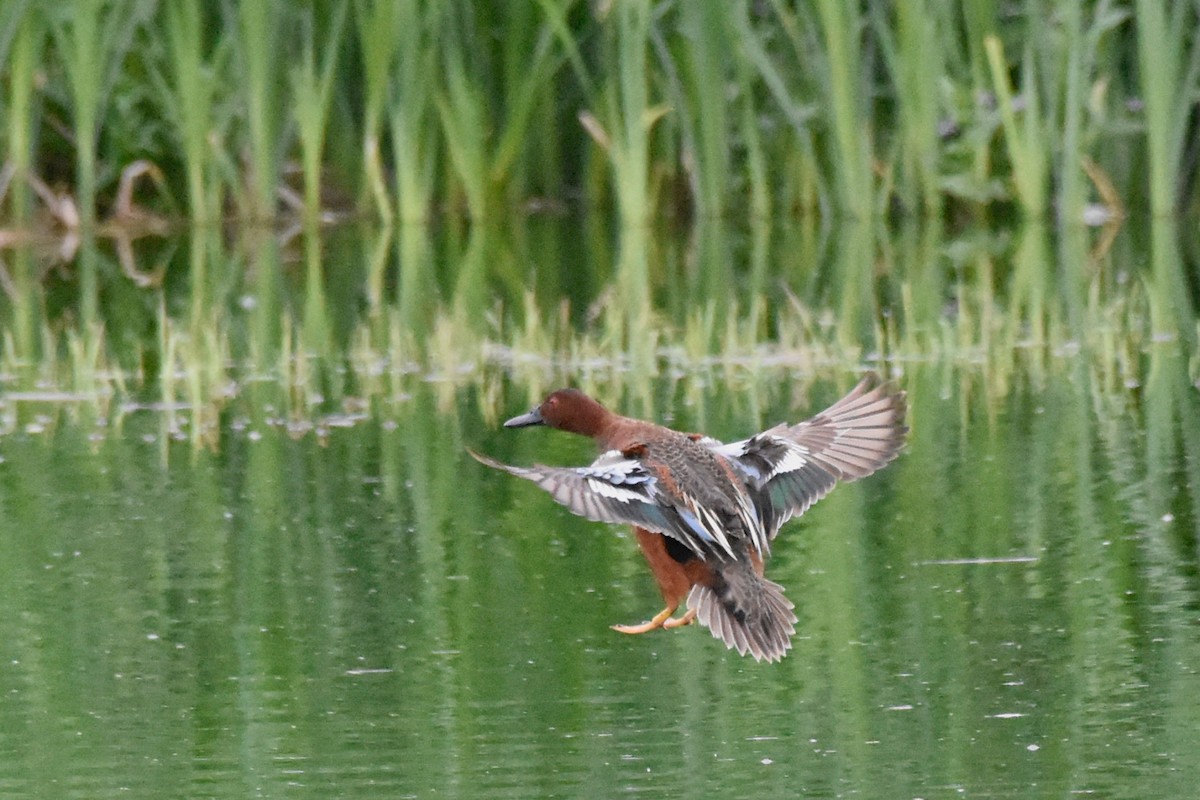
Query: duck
pixel 706 513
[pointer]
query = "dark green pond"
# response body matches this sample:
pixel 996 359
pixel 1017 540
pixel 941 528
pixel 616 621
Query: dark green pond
pixel 1009 610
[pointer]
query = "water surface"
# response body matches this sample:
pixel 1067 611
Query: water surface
pixel 1009 610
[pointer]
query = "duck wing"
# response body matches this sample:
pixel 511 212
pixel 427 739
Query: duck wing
pixel 790 467
pixel 617 488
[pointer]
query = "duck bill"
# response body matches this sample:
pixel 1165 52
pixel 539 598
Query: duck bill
pixel 525 420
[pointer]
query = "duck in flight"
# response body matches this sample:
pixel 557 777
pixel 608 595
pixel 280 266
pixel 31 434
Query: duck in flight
pixel 705 513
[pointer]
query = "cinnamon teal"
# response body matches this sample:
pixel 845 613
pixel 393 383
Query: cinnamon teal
pixel 705 513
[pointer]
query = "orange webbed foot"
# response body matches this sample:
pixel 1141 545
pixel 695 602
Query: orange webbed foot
pixel 657 621
pixel 686 619
pixel 660 620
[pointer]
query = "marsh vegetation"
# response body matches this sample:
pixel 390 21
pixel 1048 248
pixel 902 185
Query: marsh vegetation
pixel 267 268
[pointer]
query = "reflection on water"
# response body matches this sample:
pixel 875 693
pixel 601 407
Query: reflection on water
pixel 1008 611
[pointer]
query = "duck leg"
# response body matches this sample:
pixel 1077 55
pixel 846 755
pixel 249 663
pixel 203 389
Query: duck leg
pixel 673 581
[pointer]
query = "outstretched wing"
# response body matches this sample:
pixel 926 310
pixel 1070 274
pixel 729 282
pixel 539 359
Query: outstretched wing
pixel 615 488
pixel 788 468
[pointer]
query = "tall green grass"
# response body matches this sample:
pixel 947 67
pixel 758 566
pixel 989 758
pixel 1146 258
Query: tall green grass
pixel 312 90
pixel 413 119
pixel 91 39
pixel 410 109
pixel 189 100
pixel 20 49
pixel 257 31
pixel 840 25
pixel 1168 53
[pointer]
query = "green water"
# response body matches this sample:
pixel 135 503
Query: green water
pixel 1009 610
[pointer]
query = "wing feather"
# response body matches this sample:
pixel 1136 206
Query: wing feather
pixel 788 468
pixel 621 490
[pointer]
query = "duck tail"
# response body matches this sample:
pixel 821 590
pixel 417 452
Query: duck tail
pixel 746 611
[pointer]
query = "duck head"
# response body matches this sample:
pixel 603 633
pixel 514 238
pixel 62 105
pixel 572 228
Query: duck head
pixel 566 410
